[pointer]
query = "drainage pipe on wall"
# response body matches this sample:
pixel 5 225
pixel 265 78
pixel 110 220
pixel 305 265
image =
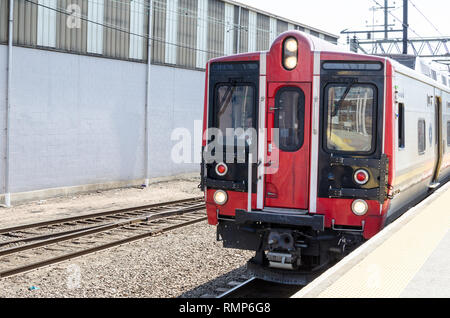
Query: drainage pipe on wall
pixel 148 95
pixel 8 100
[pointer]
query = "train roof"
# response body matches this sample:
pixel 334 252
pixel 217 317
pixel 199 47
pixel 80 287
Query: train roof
pixel 406 64
pixel 409 64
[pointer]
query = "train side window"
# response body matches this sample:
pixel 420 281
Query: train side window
pixel 290 118
pixel 422 136
pixel 401 125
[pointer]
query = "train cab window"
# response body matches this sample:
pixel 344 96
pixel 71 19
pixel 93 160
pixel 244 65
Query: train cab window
pixel 422 136
pixel 351 118
pixel 401 126
pixel 290 118
pixel 234 107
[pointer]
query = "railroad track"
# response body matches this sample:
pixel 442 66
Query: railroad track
pixel 247 286
pixel 257 288
pixel 32 246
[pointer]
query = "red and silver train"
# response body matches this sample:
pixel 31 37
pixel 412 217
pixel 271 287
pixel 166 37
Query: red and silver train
pixel 342 144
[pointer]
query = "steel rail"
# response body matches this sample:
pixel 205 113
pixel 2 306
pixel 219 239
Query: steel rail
pixel 58 259
pixel 95 215
pixel 257 288
pixel 103 228
pixel 47 236
pixel 234 289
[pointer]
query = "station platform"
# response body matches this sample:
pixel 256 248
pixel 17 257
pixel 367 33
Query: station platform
pixel 409 258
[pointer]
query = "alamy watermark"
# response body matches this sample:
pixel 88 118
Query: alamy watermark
pixel 230 145
pixel 73 276
pixel 73 21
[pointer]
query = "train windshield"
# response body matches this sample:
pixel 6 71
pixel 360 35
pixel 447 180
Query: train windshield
pixel 235 110
pixel 350 118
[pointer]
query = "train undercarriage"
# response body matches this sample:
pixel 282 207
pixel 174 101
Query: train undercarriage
pixel 286 254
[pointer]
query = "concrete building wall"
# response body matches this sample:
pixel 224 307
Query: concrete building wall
pixel 177 98
pixel 78 120
pixel 75 120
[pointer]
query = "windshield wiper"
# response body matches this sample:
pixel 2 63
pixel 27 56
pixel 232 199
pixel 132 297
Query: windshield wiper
pixel 226 99
pixel 344 96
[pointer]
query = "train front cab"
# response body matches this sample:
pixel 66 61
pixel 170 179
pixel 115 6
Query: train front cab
pixel 318 179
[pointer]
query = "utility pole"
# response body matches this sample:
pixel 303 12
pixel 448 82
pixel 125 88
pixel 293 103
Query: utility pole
pixel 431 47
pixel 405 26
pixel 386 18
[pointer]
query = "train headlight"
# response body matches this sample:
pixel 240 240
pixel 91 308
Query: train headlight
pixel 290 63
pixel 290 53
pixel 220 197
pixel 360 207
pixel 291 45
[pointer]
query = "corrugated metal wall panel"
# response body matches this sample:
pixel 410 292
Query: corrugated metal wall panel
pixel 139 29
pixel 314 33
pixel 229 29
pixel 71 31
pixel 236 29
pixel 46 23
pixel 252 31
pixel 172 17
pixel 145 32
pixel 4 21
pixel 262 32
pixel 199 29
pixel 281 26
pixel 25 23
pixel 187 33
pixel 96 10
pixel 243 45
pixel 116 41
pixel 273 29
pixel 202 33
pixel 216 29
pixel 330 39
pixel 159 31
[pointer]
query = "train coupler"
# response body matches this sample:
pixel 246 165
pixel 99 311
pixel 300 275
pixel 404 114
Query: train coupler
pixel 283 260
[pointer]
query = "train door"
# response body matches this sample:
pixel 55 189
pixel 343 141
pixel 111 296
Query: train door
pixel 439 138
pixel 287 185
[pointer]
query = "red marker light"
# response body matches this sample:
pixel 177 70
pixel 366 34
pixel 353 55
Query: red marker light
pixel 361 177
pixel 221 169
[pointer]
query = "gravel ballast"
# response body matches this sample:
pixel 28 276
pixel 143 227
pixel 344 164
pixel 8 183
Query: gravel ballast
pixel 187 262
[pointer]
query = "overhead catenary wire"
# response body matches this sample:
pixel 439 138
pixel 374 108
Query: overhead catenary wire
pixel 399 20
pixel 159 6
pixel 117 28
pixel 425 18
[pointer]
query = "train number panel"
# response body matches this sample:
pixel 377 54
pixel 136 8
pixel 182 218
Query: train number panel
pixel 309 151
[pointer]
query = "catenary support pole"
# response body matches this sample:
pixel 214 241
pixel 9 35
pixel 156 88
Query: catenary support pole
pixel 148 95
pixel 386 18
pixel 405 26
pixel 8 102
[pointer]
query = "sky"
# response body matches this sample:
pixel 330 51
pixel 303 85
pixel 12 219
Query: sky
pixel 334 16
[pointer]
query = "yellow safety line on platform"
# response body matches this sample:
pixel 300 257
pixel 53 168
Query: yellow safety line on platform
pixel 387 271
